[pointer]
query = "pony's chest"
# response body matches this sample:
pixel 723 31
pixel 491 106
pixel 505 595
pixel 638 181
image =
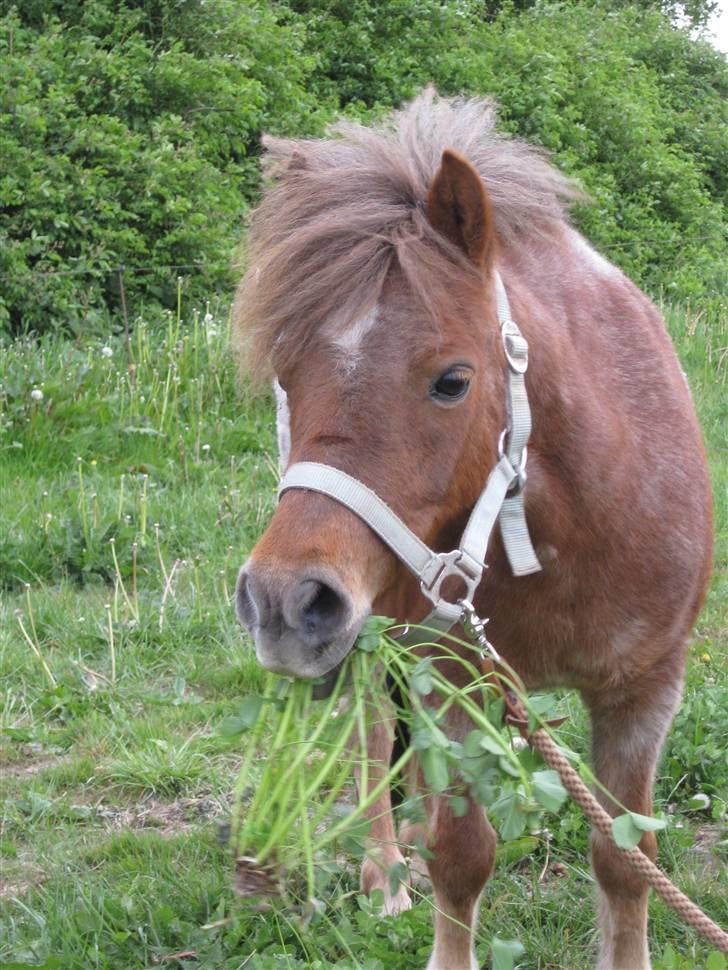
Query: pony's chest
pixel 554 629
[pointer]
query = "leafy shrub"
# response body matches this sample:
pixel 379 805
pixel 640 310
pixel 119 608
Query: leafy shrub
pixel 696 754
pixel 129 135
pixel 627 103
pixel 130 132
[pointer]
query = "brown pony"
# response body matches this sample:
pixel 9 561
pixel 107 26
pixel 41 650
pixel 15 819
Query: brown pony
pixel 370 297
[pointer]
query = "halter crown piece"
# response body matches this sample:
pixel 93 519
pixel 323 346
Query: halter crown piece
pixel 501 500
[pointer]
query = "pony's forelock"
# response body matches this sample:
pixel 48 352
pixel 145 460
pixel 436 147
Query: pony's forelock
pixel 339 211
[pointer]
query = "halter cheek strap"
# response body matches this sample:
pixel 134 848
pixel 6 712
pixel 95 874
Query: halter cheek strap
pixel 501 500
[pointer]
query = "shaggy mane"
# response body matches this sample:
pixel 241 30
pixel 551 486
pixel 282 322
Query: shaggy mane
pixel 341 209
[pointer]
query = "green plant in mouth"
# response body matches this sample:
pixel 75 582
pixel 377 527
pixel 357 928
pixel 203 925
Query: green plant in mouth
pixel 306 786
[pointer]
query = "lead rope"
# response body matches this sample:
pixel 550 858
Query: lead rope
pixel 602 820
pixel 541 741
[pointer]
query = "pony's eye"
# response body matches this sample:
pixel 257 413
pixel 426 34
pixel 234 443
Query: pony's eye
pixel 452 386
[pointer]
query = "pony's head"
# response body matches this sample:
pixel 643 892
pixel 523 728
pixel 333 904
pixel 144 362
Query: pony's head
pixel 369 296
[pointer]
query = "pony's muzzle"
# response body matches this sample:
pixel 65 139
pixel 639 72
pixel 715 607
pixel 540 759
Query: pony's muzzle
pixel 302 625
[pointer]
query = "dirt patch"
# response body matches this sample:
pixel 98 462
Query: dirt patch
pixel 167 818
pixel 19 876
pixel 32 760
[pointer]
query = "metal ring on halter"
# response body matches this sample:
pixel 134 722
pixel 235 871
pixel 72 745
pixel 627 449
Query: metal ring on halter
pixel 450 564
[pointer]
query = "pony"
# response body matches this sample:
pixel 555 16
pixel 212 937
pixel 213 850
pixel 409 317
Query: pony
pixel 371 299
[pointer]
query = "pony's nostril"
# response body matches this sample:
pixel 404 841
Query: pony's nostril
pixel 326 607
pixel 273 607
pixel 320 611
pixel 250 601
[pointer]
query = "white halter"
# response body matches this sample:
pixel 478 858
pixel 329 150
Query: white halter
pixel 501 500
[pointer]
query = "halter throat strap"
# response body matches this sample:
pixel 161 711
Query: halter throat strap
pixel 500 501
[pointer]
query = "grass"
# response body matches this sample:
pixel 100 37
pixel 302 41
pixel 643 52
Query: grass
pixel 121 660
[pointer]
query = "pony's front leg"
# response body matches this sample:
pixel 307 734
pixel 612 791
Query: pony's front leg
pixel 383 851
pixel 628 731
pixel 463 855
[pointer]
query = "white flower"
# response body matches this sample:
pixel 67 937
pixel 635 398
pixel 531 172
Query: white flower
pixel 107 352
pixel 36 394
pixel 208 318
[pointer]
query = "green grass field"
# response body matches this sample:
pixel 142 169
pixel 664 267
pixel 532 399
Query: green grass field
pixel 128 499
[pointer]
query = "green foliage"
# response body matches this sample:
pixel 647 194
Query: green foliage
pixel 505 952
pixel 636 111
pixel 696 756
pixel 130 132
pixel 129 136
pixel 628 829
pixel 289 812
pixel 627 103
pixel 696 13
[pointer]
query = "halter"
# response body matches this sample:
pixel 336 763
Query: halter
pixel 501 500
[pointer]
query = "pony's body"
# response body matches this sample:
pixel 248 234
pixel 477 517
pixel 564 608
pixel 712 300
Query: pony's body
pixel 617 499
pixel 617 494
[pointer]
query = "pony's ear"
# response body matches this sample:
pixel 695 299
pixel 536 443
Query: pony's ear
pixel 458 207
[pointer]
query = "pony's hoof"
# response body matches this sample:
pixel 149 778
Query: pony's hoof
pixel 373 878
pixel 398 903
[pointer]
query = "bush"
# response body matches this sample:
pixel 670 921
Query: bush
pixel 129 136
pixel 627 103
pixel 130 131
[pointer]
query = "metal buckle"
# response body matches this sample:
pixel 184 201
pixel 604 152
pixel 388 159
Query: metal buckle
pixel 455 564
pixel 515 346
pixel 474 627
pixel 520 476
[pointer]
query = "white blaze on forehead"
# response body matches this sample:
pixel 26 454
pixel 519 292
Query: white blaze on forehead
pixel 283 426
pixel 349 341
pixel 597 263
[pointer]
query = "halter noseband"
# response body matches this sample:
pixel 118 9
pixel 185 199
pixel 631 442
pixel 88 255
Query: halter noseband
pixel 501 500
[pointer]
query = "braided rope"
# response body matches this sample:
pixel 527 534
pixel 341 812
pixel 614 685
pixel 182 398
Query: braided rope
pixel 602 821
